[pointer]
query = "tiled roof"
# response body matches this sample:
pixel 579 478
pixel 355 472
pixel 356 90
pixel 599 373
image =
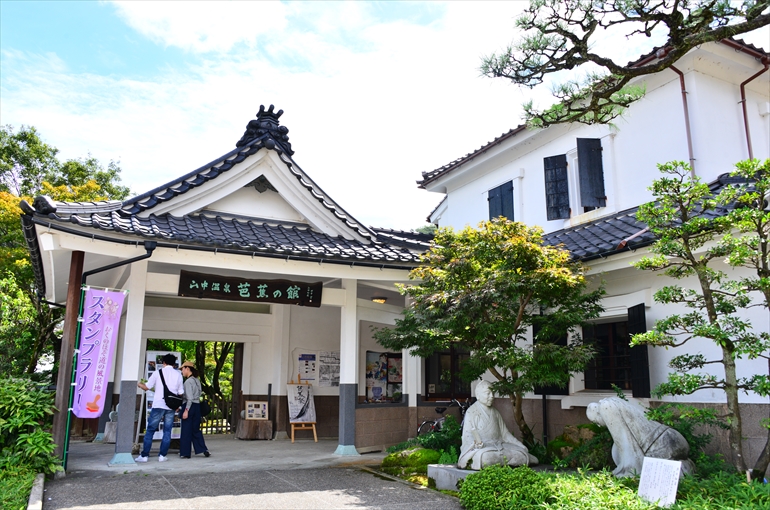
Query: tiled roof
pixel 432 175
pixel 264 132
pixel 248 237
pixel 407 239
pixel 616 233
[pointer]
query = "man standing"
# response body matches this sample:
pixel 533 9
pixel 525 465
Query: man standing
pixel 159 408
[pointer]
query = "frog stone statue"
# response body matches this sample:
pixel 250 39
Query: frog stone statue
pixel 636 437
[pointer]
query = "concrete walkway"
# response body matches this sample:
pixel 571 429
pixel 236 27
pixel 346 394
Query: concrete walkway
pixel 239 474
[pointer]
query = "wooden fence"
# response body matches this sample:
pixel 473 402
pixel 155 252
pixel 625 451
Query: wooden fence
pixel 222 419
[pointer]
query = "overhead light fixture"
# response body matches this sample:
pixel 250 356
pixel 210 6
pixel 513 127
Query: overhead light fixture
pixel 380 300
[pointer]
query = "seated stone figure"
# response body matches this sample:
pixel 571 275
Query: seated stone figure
pixel 486 439
pixel 637 437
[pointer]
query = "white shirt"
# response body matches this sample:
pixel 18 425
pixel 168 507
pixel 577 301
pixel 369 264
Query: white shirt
pixel 174 381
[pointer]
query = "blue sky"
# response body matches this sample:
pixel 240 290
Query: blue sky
pixel 374 93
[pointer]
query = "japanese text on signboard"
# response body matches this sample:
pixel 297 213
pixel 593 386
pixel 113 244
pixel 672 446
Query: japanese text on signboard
pixel 100 321
pixel 242 289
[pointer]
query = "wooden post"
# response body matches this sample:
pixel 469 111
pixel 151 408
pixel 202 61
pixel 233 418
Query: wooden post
pixel 67 352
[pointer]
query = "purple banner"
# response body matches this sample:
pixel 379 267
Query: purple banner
pixel 98 336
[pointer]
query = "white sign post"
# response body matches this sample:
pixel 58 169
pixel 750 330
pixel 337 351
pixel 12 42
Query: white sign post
pixel 659 481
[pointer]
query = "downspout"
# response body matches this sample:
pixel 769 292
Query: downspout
pixel 150 247
pixel 686 120
pixel 766 61
pixel 661 53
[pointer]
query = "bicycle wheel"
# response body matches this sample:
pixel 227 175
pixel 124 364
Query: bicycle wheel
pixel 426 428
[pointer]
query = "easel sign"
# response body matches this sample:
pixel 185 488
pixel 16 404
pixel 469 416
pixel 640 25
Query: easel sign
pixel 256 410
pixel 301 408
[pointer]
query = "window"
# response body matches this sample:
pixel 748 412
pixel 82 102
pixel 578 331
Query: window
pixel 587 182
pixel 442 375
pixel 501 201
pixel 616 363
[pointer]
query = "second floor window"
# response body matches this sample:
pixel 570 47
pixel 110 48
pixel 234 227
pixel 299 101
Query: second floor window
pixel 587 181
pixel 501 201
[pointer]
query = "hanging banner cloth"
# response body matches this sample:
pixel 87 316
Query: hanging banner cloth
pixel 98 336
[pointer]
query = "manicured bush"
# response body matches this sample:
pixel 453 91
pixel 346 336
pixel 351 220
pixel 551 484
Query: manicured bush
pixel 503 487
pixel 25 418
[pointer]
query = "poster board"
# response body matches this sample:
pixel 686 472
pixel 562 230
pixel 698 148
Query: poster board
pixel 154 362
pixel 321 368
pixel 384 376
pixel 301 403
pixel 256 410
pixel 329 368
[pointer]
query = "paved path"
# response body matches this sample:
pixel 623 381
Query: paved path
pixel 345 488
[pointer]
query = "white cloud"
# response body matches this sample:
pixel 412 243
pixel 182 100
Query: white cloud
pixel 204 26
pixel 370 104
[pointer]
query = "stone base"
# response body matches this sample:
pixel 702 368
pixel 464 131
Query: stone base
pixel 446 476
pixel 110 432
pixel 122 459
pixel 349 450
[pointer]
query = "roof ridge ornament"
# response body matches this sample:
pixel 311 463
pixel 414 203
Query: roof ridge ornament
pixel 267 123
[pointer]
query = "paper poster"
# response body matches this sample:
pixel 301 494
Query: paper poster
pixel 307 366
pixel 376 375
pixel 659 481
pixel 329 368
pixel 301 404
pixel 395 374
pixel 256 410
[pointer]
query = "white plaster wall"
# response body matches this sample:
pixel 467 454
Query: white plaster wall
pixel 250 202
pixel 626 282
pixel 651 131
pixel 314 329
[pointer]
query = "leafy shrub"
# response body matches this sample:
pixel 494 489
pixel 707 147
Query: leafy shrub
pixel 25 416
pixel 450 457
pixel 588 446
pixel 449 435
pixel 595 491
pixel 409 462
pixel 15 486
pixel 504 487
pixel 685 418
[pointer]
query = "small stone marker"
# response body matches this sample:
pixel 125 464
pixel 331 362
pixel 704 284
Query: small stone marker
pixel 659 481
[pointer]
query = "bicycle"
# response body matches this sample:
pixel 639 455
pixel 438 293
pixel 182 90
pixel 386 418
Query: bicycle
pixel 428 426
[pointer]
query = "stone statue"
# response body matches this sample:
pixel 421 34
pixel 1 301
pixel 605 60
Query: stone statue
pixel 486 439
pixel 637 437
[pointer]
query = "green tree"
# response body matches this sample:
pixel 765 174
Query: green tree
pixel 483 289
pixel 750 219
pixel 29 327
pixel 693 238
pixel 561 35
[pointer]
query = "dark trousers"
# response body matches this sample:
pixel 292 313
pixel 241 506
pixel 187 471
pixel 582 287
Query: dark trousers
pixel 191 432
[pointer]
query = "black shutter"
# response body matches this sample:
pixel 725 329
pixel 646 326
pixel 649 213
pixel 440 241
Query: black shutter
pixel 501 201
pixel 591 172
pixel 550 390
pixel 556 187
pixel 495 203
pixel 640 365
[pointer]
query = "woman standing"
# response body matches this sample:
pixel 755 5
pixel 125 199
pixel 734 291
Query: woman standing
pixel 191 435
